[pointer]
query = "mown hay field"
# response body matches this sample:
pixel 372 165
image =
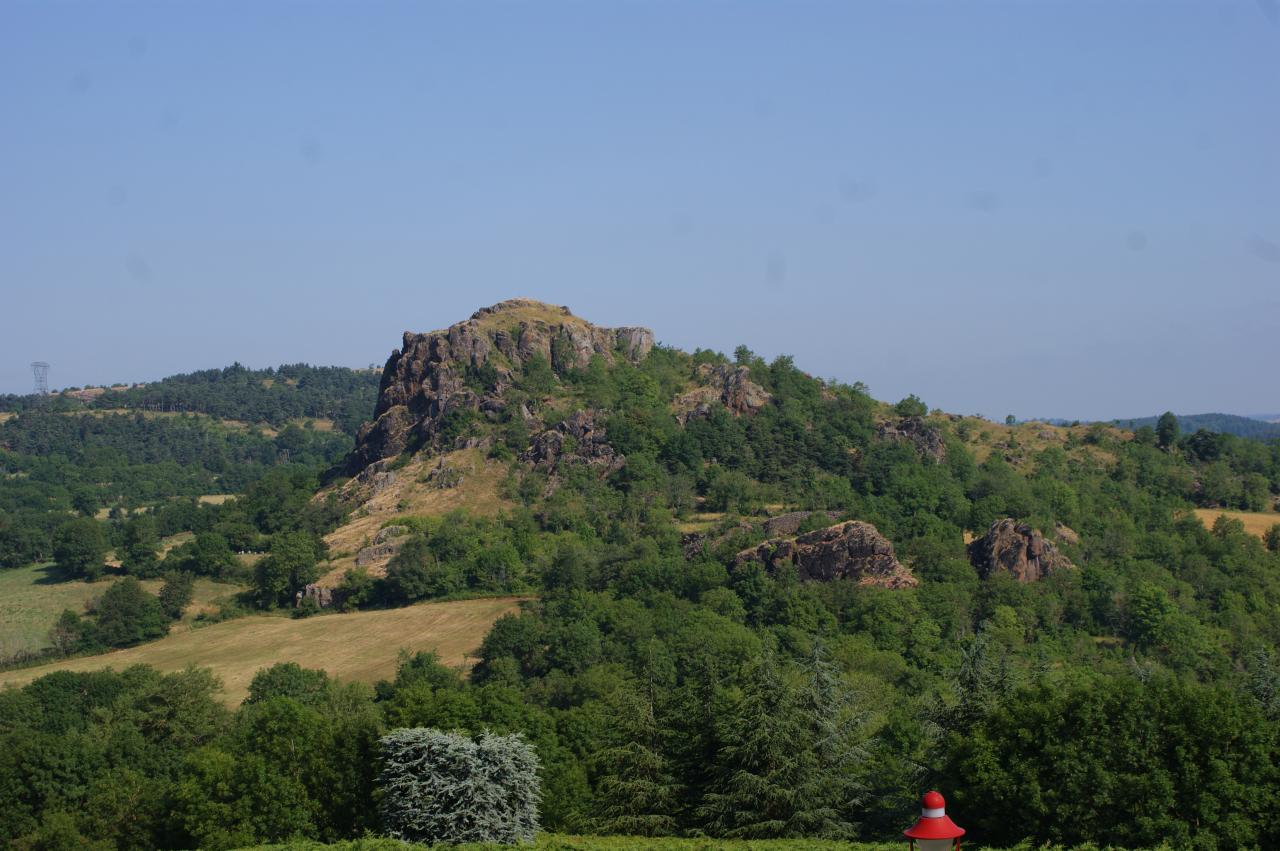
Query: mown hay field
pixel 360 646
pixel 1255 522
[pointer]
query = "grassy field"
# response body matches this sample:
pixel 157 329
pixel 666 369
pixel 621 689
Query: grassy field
pixel 1255 522
pixel 360 646
pixel 31 598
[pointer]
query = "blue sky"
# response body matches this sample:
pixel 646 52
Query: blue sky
pixel 1048 209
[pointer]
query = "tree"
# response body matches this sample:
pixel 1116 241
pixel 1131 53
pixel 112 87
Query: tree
pixel 176 593
pixel 1272 538
pixel 208 555
pixel 289 679
pixel 289 566
pixel 139 546
pixel 1167 430
pixel 774 776
pixel 79 548
pixel 442 787
pixel 127 614
pixel 911 407
pixel 637 790
pixel 71 633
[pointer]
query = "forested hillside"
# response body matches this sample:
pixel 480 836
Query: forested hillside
pixel 1258 429
pixel 273 396
pixel 766 606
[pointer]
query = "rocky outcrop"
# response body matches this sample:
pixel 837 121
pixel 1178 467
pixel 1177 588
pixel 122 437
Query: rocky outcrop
pixel 695 544
pixel 783 525
pixel 321 596
pixel 1018 550
pixel 726 384
pixel 852 550
pixel 578 439
pixel 469 366
pixel 926 439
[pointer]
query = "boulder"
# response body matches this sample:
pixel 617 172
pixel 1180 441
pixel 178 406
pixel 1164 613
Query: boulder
pixel 577 439
pixel 324 597
pixel 852 550
pixel 926 439
pixel 789 524
pixel 727 384
pixel 1018 550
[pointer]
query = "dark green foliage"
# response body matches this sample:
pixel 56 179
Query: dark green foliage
pixel 79 548
pixel 126 614
pixel 444 787
pixel 273 396
pixel 176 592
pixel 290 565
pixel 288 679
pixel 1120 761
pixel 913 407
pixel 139 546
pixel 1223 423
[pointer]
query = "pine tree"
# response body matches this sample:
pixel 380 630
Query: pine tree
pixel 767 779
pixel 637 788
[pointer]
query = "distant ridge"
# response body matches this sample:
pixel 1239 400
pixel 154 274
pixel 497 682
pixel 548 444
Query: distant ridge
pixel 1256 428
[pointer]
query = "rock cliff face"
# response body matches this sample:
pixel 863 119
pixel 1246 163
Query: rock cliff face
pixel 926 439
pixel 1018 550
pixel 470 364
pixel 729 385
pixel 578 439
pixel 851 550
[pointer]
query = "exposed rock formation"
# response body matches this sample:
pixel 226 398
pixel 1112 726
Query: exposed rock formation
pixel 1017 549
pixel 729 385
pixel 470 364
pixel 784 525
pixel 851 550
pixel 926 438
pixel 322 597
pixel 695 544
pixel 576 439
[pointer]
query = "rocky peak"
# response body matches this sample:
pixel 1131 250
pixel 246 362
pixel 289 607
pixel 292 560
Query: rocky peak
pixel 470 365
pixel 851 550
pixel 1018 550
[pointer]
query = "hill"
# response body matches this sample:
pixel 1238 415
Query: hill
pixel 359 647
pixel 760 604
pixel 1258 429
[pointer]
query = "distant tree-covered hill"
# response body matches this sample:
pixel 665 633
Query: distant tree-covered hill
pixel 1219 423
pixel 273 396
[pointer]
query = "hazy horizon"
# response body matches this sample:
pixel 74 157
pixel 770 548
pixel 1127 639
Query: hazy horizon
pixel 1048 210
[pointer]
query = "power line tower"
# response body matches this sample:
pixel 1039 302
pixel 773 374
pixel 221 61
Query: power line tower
pixel 40 370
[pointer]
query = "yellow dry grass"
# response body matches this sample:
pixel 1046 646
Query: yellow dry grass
pixel 361 646
pixel 477 493
pixel 528 310
pixel 215 498
pixel 1255 522
pixel 5 416
pixel 700 522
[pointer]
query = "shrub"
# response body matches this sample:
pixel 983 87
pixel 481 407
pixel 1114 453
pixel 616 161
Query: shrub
pixel 447 787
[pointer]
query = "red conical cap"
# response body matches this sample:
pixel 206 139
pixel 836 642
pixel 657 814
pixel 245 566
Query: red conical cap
pixel 933 822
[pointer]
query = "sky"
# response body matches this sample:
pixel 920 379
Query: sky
pixel 1041 209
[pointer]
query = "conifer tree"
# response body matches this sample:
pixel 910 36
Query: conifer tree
pixel 638 791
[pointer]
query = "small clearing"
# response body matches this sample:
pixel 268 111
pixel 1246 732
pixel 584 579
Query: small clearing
pixel 1255 522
